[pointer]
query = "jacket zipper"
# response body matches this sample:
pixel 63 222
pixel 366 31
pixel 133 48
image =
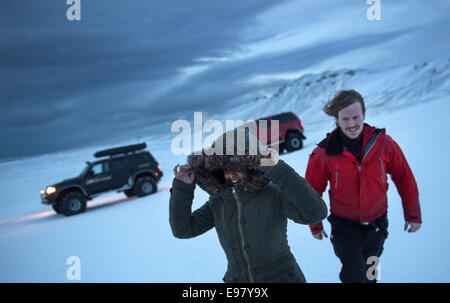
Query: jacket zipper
pixel 370 147
pixel 238 203
pixel 337 174
pixel 372 144
pixel 383 179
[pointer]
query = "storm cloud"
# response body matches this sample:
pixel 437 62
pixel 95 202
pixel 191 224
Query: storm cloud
pixel 128 65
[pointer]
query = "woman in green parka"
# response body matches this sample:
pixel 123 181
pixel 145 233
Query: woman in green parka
pixel 250 202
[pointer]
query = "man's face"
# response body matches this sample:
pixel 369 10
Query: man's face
pixel 351 120
pixel 236 178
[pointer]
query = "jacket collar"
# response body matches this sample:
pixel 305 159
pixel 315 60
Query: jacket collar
pixel 334 145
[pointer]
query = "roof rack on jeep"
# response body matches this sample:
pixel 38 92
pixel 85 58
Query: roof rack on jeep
pixel 120 150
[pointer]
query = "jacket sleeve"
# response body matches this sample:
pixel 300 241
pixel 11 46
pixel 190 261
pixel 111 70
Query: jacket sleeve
pixel 405 182
pixel 183 222
pixel 316 175
pixel 299 200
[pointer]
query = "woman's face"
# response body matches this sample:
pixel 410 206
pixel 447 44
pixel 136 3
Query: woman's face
pixel 236 178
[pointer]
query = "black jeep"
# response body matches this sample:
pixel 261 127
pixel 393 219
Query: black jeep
pixel 128 168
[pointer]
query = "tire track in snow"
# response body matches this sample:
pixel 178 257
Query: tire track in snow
pixel 94 204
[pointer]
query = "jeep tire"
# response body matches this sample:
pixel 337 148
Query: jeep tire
pixel 72 203
pixel 56 208
pixel 144 186
pixel 294 141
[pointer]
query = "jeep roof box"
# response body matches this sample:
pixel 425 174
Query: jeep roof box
pixel 120 150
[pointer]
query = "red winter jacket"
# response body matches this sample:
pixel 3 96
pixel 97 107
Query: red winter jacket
pixel 358 190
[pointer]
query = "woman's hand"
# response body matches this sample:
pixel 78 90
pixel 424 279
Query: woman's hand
pixel 184 174
pixel 273 158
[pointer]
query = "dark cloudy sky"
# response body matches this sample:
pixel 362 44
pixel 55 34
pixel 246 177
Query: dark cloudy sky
pixel 130 64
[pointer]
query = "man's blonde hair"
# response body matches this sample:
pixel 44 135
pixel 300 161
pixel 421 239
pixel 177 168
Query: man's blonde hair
pixel 341 100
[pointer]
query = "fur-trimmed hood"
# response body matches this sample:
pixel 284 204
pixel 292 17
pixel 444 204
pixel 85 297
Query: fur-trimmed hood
pixel 243 152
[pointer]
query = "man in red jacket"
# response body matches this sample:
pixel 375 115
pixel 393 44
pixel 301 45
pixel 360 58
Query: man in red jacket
pixel 356 158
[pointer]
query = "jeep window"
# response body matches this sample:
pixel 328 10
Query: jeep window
pixel 283 118
pixel 97 169
pixel 117 164
pixel 147 156
pixel 126 162
pixel 143 158
pixel 268 122
pixel 100 168
pixel 140 157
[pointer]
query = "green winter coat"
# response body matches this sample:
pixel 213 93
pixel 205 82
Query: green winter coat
pixel 250 221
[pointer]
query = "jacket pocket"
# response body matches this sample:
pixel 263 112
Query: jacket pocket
pixel 383 224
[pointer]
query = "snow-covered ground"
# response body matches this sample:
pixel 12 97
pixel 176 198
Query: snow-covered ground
pixel 129 240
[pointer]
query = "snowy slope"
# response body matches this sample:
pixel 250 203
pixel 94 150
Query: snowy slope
pixel 382 90
pixel 129 240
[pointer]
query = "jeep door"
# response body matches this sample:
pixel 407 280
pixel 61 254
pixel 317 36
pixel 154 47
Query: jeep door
pixel 99 178
pixel 264 131
pixel 284 125
pixel 121 172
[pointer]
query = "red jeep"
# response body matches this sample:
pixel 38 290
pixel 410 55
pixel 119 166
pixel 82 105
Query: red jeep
pixel 291 132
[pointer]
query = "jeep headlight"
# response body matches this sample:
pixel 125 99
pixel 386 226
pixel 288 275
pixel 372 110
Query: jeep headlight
pixel 50 190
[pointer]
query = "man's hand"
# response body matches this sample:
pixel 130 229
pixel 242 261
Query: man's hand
pixel 414 226
pixel 320 235
pixel 185 174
